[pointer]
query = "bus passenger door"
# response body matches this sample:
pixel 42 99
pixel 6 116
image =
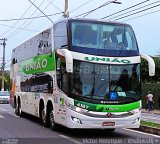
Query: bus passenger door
pixel 62 82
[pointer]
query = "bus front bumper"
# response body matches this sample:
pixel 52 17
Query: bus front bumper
pixel 77 120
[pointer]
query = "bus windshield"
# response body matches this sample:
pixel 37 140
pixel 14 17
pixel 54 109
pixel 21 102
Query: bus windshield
pixel 102 37
pixel 105 82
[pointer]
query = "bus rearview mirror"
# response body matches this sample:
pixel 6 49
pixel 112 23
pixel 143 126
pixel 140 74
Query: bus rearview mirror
pixel 151 64
pixel 69 60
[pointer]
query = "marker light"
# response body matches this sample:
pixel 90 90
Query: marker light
pixel 78 109
pixel 75 108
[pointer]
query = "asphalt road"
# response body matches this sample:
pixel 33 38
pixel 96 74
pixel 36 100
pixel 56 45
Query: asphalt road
pixel 28 130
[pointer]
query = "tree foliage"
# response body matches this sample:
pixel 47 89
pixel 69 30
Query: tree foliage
pixel 145 71
pixel 6 81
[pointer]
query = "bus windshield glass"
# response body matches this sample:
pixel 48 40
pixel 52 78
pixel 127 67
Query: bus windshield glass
pixel 104 82
pixel 102 37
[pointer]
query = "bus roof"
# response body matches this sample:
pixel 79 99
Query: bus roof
pixel 38 32
pixel 72 19
pixel 90 20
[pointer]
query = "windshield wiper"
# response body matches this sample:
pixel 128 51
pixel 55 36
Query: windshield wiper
pixel 134 98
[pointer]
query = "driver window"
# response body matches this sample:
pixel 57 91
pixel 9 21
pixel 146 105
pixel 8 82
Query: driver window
pixel 62 77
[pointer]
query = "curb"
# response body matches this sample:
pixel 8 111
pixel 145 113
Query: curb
pixel 153 113
pixel 151 130
pixel 157 112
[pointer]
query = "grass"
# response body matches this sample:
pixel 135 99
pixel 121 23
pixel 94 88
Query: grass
pixel 150 124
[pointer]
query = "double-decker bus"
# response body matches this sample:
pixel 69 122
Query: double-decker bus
pixel 80 73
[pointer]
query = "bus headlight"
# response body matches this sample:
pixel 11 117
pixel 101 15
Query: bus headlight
pixel 77 120
pixel 136 120
pixel 78 109
pixel 135 111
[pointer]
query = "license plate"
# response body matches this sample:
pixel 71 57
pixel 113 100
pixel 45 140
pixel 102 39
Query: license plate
pixel 108 123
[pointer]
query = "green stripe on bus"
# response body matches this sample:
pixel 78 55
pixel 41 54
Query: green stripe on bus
pixel 38 64
pixel 107 108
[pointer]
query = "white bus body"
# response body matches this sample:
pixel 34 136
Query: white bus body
pixel 48 69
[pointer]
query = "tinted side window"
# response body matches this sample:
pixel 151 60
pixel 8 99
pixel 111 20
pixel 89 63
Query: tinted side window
pixel 27 83
pixel 62 75
pixel 40 44
pixel 60 35
pixel 44 43
pixel 39 82
pixel 43 83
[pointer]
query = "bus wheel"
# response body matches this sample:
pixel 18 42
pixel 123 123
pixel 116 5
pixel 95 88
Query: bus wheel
pixel 52 123
pixel 18 108
pixel 44 118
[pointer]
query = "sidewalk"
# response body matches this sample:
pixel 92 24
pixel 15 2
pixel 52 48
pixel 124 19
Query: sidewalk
pixel 150 116
pixel 154 112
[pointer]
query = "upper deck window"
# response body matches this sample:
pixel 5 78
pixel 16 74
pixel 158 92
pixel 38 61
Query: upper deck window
pixel 103 36
pixel 84 35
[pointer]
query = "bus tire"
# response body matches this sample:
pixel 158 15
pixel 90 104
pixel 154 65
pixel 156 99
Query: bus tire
pixel 44 118
pixel 18 110
pixel 52 123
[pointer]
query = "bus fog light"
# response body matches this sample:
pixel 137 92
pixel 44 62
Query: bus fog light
pixel 136 120
pixel 77 120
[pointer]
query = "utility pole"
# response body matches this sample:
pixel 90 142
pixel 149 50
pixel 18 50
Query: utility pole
pixel 3 62
pixel 66 9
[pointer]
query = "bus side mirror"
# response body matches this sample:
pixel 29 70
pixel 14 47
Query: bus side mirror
pixel 151 64
pixel 69 60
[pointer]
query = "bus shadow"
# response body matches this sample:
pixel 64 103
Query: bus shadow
pixel 90 133
pixel 79 133
pixel 31 118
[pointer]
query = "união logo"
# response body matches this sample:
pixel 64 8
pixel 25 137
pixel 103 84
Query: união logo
pixel 112 60
pixel 39 64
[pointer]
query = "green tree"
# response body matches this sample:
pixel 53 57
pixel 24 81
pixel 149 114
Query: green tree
pixel 157 71
pixel 6 81
pixel 144 71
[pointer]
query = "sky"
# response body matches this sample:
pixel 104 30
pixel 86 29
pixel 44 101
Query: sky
pixel 146 27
